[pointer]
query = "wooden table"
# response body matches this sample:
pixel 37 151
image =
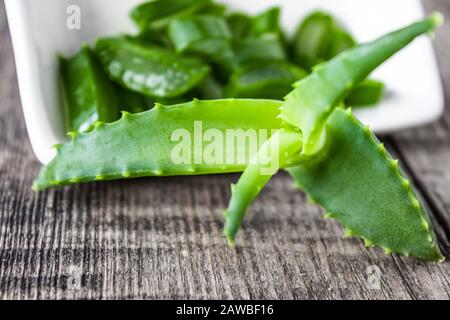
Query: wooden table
pixel 162 238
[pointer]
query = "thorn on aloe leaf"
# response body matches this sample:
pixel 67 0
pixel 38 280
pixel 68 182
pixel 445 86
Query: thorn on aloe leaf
pixel 416 203
pixel 426 225
pixel 328 216
pixel 368 243
pixel 311 200
pixel 73 134
pixel 367 131
pixel 349 233
pixel 125 114
pixel 381 149
pixel 98 124
pixel 158 107
pixel 394 165
pixel 191 170
pixel 126 174
pixel 57 147
pixel 406 184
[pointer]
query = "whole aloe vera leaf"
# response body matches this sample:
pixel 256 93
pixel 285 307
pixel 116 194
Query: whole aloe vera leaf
pixel 368 93
pixel 157 14
pixel 140 145
pixel 284 146
pixel 266 80
pixel 315 97
pixel 358 183
pixel 89 95
pixel 152 71
pixel 265 48
pixel 309 106
pixel 204 34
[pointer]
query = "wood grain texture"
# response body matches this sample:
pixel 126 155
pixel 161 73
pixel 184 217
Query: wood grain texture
pixel 162 238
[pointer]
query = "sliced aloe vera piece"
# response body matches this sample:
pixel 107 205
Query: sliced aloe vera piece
pixel 89 95
pixel 264 48
pixel 240 24
pixel 311 42
pixel 157 14
pixel 341 41
pixel 204 34
pixel 267 22
pixel 149 70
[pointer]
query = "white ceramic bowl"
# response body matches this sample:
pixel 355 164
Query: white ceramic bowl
pixel 39 32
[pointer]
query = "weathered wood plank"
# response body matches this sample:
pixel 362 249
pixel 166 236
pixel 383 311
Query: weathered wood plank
pixel 161 238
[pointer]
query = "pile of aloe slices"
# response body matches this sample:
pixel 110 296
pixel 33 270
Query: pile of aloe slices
pixel 168 100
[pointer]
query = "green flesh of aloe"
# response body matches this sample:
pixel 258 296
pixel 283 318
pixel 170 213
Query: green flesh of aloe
pixel 152 71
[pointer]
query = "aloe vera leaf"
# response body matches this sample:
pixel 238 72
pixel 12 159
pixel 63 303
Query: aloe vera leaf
pixel 140 145
pixel 152 71
pixel 368 93
pixel 283 144
pixel 216 9
pixel 315 97
pixel 157 14
pixel 204 34
pixel 89 95
pixel 269 80
pixel 310 44
pixel 267 22
pixel 240 25
pixel 358 183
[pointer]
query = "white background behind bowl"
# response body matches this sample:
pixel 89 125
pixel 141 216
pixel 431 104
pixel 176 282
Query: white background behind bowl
pixel 39 32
